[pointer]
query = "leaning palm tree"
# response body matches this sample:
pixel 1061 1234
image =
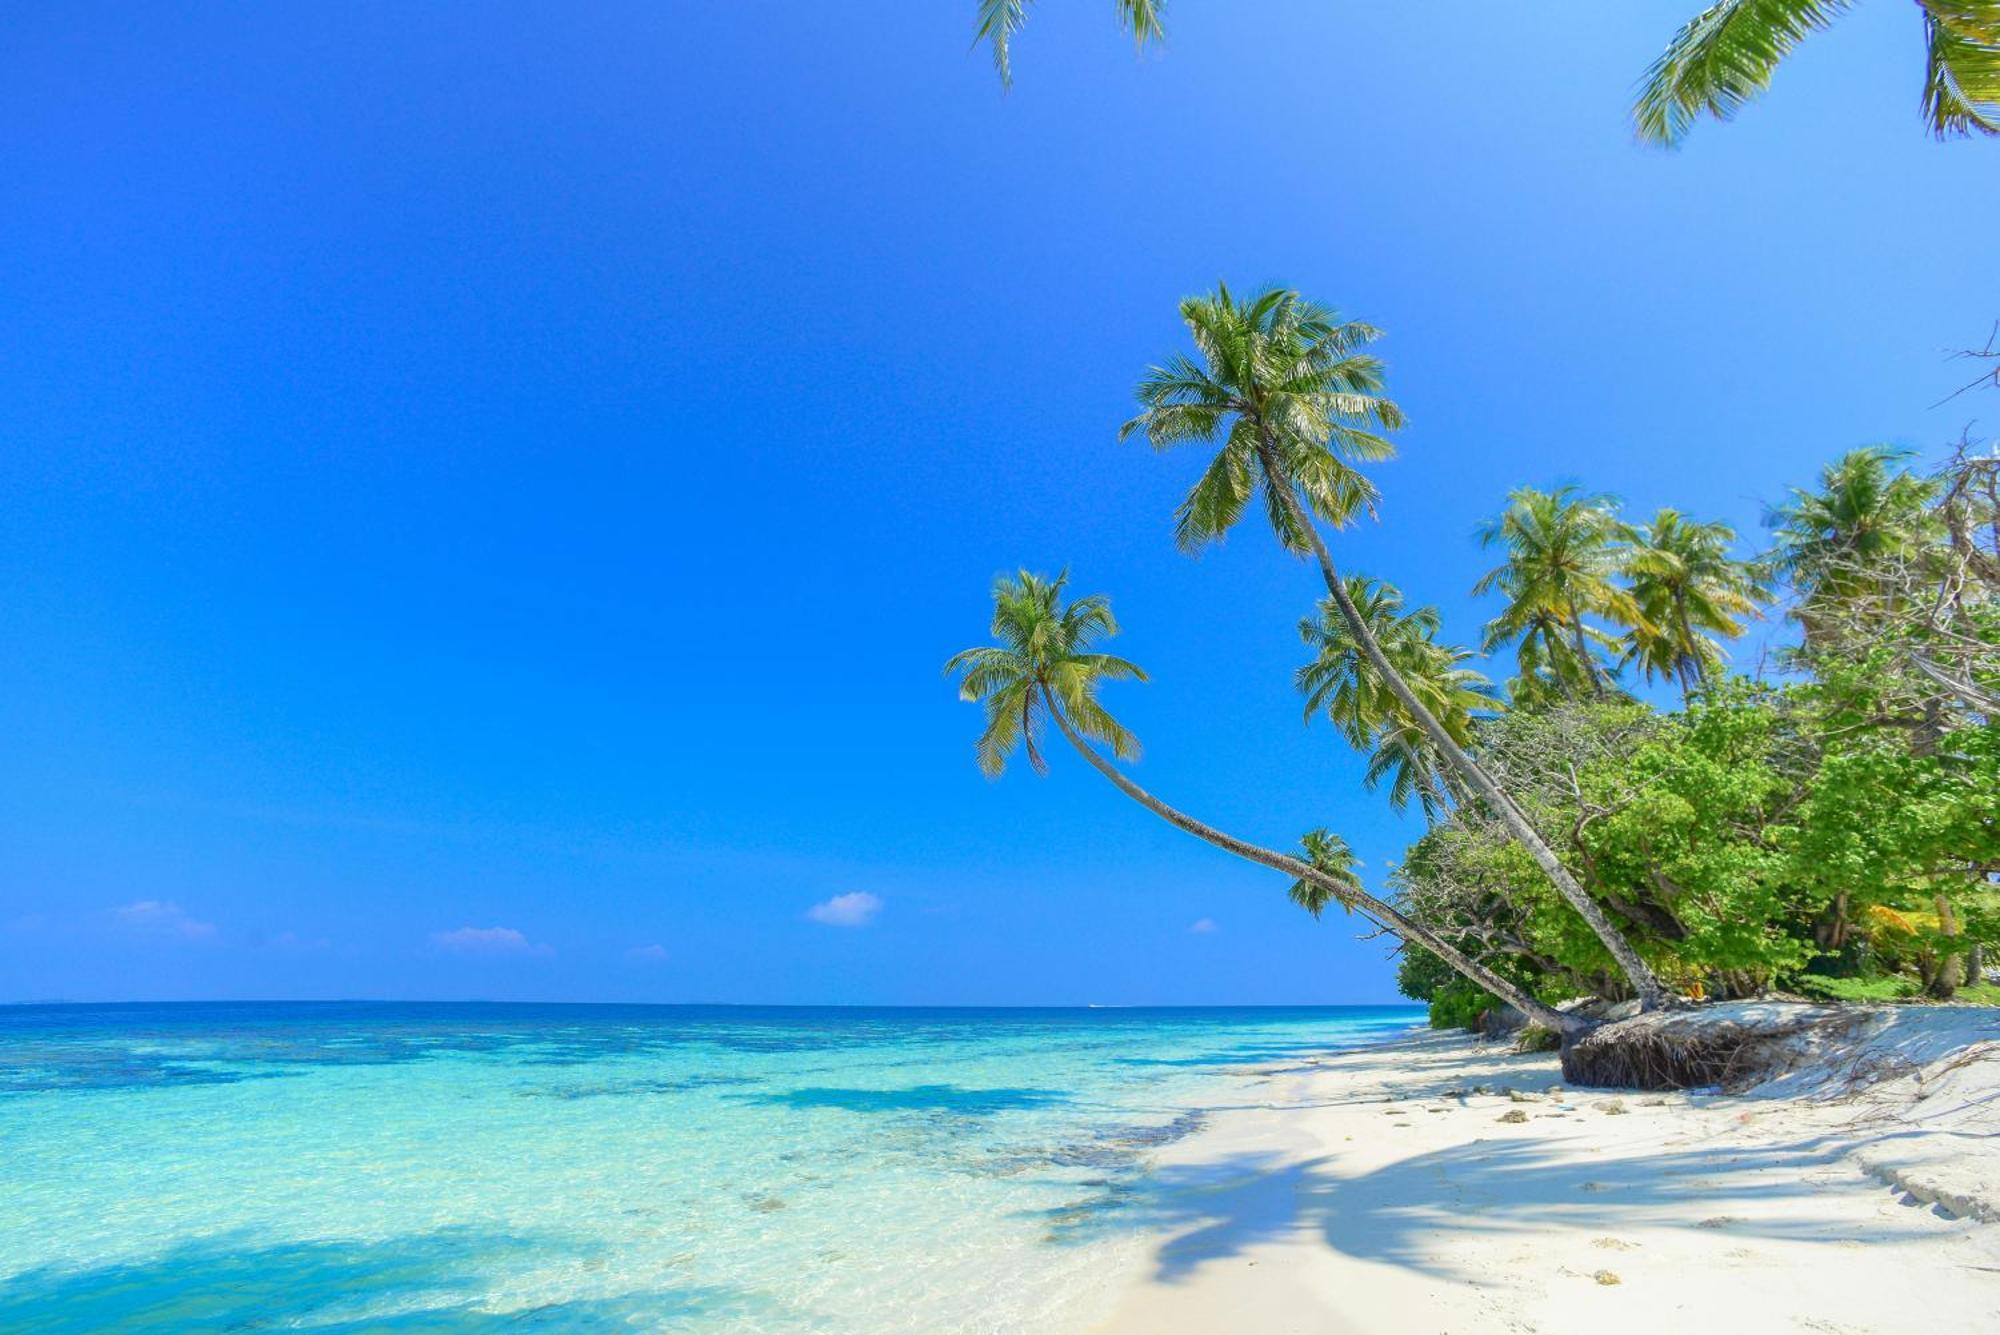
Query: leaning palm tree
pixel 1724 56
pixel 1288 389
pixel 1690 591
pixel 999 20
pixel 1339 684
pixel 1563 558
pixel 1044 671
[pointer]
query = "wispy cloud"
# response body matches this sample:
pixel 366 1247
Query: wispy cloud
pixel 850 910
pixel 162 917
pixel 653 954
pixel 488 941
pixel 1203 926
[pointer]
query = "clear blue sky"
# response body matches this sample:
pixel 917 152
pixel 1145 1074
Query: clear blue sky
pixel 521 467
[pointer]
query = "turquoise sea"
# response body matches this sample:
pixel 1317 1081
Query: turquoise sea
pixel 474 1167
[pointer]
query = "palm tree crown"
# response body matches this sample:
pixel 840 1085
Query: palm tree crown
pixel 1563 558
pixel 1867 512
pixel 1690 590
pixel 1043 662
pixel 1340 683
pixel 1275 371
pixel 1724 56
pixel 1327 853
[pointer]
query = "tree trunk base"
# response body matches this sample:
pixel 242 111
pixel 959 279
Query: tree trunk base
pixel 1723 1048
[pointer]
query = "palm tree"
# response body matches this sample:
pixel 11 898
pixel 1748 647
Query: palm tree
pixel 999 20
pixel 1041 659
pixel 1725 55
pixel 1339 684
pixel 1563 554
pixel 1867 514
pixel 1329 853
pixel 1690 590
pixel 1044 670
pixel 1286 386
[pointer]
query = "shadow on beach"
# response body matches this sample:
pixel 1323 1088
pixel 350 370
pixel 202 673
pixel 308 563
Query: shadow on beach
pixel 1507 1188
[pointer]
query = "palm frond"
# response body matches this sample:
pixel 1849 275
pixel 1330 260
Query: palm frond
pixel 1961 67
pixel 999 20
pixel 1721 60
pixel 1214 504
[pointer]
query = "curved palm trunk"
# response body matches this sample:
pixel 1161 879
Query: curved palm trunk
pixel 1569 1026
pixel 1652 996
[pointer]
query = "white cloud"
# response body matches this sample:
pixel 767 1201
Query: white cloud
pixel 164 917
pixel 850 910
pixel 653 954
pixel 1203 926
pixel 488 941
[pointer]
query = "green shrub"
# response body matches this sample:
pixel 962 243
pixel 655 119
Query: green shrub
pixel 1458 1005
pixel 1535 1038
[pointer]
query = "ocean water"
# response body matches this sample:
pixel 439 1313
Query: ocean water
pixel 472 1167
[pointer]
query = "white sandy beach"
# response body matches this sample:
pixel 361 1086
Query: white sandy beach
pixel 1377 1191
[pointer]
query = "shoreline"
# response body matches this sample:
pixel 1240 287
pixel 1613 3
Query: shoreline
pixel 1398 1187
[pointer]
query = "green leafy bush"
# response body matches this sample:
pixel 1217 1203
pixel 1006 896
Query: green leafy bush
pixel 1458 1005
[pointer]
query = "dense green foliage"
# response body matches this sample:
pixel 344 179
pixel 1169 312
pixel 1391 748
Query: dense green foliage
pixel 1835 832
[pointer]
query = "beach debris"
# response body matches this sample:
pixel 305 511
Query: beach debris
pixel 1594 1186
pixel 1518 1096
pixel 1719 1221
pixel 1514 1115
pixel 1607 1278
pixel 1613 1244
pixel 1554 1091
pixel 1612 1106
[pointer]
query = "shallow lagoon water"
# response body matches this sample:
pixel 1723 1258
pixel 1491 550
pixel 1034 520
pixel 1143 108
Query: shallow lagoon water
pixel 471 1167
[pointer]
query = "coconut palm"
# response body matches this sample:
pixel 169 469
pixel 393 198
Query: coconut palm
pixel 1296 401
pixel 1725 55
pixel 1690 591
pixel 1285 386
pixel 1044 670
pixel 1041 659
pixel 1563 558
pixel 1868 513
pixel 999 20
pixel 1328 853
pixel 1339 684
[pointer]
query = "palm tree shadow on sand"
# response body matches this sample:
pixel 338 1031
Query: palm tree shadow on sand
pixel 1503 1188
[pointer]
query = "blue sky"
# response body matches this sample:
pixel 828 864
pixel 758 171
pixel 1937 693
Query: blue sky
pixel 488 489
